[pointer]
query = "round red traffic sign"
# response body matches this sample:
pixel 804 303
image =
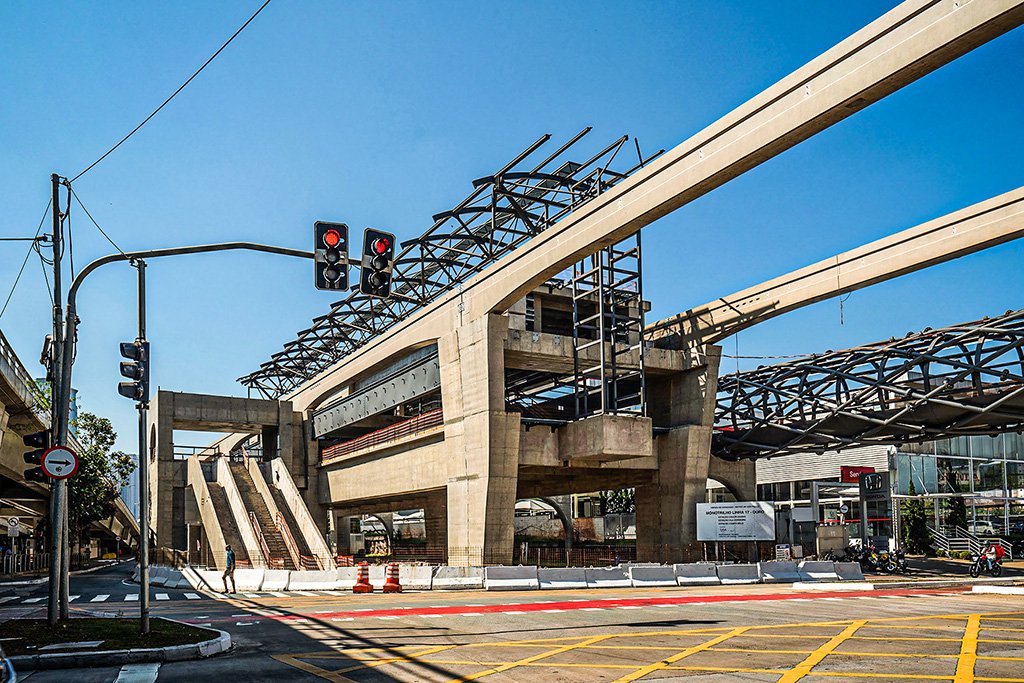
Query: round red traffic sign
pixel 59 462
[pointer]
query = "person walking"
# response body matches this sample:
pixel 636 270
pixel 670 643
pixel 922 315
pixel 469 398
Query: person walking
pixel 229 571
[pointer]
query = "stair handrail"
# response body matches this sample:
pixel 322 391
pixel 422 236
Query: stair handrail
pixel 289 540
pixel 264 548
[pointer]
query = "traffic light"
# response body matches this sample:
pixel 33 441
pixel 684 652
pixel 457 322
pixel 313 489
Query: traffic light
pixel 330 250
pixel 39 441
pixel 136 369
pixel 378 261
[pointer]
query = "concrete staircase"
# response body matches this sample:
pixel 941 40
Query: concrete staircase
pixel 254 503
pixel 289 518
pixel 227 523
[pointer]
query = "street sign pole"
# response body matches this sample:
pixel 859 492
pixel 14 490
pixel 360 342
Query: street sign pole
pixel 56 574
pixel 143 406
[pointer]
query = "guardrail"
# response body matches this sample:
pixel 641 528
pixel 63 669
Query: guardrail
pixel 21 374
pixel 276 563
pixel 413 425
pixel 289 540
pixel 15 563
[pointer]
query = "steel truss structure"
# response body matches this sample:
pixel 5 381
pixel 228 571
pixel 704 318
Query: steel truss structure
pixel 522 199
pixel 966 379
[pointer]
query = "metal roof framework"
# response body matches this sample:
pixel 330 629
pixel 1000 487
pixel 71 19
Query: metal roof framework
pixel 965 379
pixel 522 199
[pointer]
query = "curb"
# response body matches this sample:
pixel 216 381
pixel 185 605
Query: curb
pixel 44 579
pixel 171 653
pixel 999 590
pixel 946 583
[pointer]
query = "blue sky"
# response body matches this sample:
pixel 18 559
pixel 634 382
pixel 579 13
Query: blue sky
pixel 382 113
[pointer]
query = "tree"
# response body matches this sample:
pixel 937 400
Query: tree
pixel 957 515
pixel 619 501
pixel 915 523
pixel 102 473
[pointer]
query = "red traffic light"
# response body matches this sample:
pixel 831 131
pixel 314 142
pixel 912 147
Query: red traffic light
pixel 332 238
pixel 380 245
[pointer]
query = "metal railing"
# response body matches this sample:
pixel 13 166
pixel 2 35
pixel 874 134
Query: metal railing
pixel 289 541
pixel 11 361
pixel 961 540
pixel 393 432
pixel 16 563
pixel 274 562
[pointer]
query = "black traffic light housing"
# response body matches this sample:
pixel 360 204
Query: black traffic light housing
pixel 378 262
pixel 330 255
pixel 39 442
pixel 136 369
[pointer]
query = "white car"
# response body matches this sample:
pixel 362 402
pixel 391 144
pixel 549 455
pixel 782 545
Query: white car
pixel 983 529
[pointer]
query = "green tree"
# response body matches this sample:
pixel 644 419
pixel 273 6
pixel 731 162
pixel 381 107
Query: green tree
pixel 957 515
pixel 102 473
pixel 914 519
pixel 618 501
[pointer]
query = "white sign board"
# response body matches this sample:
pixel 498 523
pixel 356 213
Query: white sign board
pixel 13 522
pixel 753 521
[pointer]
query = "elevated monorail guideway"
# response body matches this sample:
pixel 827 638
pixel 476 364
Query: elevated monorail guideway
pixel 961 380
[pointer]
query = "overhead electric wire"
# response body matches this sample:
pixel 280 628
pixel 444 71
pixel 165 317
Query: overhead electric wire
pixel 180 88
pixel 29 253
pixel 102 231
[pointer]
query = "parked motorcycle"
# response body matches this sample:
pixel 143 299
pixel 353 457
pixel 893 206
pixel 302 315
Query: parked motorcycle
pixel 979 565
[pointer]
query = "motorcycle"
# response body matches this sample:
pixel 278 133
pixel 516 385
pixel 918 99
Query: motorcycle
pixel 980 565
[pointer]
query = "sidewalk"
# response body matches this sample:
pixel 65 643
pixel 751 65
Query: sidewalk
pixel 941 567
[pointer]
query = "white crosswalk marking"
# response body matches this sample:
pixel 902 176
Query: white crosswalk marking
pixel 251 595
pixel 100 598
pixel 191 596
pixel 8 598
pixel 279 595
pixel 163 596
pixel 31 600
pixel 131 597
pixel 138 673
pixel 72 598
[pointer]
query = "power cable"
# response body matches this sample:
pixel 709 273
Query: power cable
pixel 180 88
pixel 102 231
pixel 27 254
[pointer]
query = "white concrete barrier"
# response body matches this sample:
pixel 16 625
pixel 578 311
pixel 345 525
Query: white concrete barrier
pixel 377 575
pixel 733 574
pixel 135 574
pixel 172 578
pixel 415 576
pixel 699 574
pixel 325 580
pixel 245 579
pixel 275 580
pixel 346 577
pixel 607 577
pixel 570 577
pixel 157 576
pixel 849 571
pixel 778 572
pixel 456 578
pixel 211 579
pixel 511 578
pixel 817 571
pixel 646 576
pixel 193 579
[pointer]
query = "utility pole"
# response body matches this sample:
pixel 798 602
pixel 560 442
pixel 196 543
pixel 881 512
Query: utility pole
pixel 143 407
pixel 56 509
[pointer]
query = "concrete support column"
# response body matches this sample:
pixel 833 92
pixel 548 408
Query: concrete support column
pixel 483 441
pixel 161 468
pixel 435 527
pixel 268 441
pixel 739 476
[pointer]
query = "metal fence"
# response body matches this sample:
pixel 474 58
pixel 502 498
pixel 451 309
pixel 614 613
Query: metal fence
pixel 16 563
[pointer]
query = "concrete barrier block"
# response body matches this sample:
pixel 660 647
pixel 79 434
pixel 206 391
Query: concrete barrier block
pixel 778 572
pixel 456 578
pixel 607 577
pixel 641 576
pixel 313 580
pixel 849 571
pixel 246 579
pixel 696 574
pixel 571 577
pixel 377 574
pixel 346 577
pixel 511 578
pixel 818 571
pixel 415 577
pixel 211 579
pixel 135 574
pixel 157 576
pixel 275 580
pixel 733 574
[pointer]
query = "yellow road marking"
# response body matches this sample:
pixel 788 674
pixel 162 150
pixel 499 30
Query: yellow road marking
pixel 528 660
pixel 657 666
pixel 968 651
pixel 804 667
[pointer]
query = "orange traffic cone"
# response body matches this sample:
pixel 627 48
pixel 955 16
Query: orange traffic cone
pixel 362 584
pixel 391 585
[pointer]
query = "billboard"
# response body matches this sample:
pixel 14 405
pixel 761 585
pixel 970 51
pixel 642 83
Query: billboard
pixel 850 474
pixel 753 521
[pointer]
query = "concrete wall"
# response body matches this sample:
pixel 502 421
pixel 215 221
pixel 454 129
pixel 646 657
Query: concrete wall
pixel 207 514
pixel 306 526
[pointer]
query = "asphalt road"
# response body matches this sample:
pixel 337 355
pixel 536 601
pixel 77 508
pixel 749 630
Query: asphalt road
pixel 737 633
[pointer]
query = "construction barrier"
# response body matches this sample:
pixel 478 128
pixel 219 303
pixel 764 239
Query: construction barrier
pixel 511 578
pixel 362 579
pixel 416 576
pixel 324 580
pixel 698 574
pixel 849 571
pixel 346 577
pixel 732 574
pixel 652 576
pixel 157 576
pixel 818 571
pixel 562 578
pixel 245 580
pixel 275 580
pixel 135 574
pixel 456 578
pixel 778 572
pixel 377 574
pixel 607 577
pixel 391 583
pixel 209 580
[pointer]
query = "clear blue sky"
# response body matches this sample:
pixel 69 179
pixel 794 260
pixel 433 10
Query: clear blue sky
pixel 381 114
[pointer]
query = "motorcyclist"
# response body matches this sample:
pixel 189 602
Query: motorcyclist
pixel 990 554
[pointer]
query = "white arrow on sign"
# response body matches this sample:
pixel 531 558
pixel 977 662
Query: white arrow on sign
pixel 59 462
pixel 13 522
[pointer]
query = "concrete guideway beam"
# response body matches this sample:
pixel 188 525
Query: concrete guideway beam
pixel 913 39
pixel 974 228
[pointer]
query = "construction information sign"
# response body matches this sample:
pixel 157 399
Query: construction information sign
pixel 736 521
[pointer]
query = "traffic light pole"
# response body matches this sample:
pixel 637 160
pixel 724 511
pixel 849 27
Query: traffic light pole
pixel 56 487
pixel 143 407
pixel 63 356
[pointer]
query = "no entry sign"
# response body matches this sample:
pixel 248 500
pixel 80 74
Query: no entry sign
pixel 59 462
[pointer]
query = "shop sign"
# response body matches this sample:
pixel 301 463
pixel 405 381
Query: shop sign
pixel 850 474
